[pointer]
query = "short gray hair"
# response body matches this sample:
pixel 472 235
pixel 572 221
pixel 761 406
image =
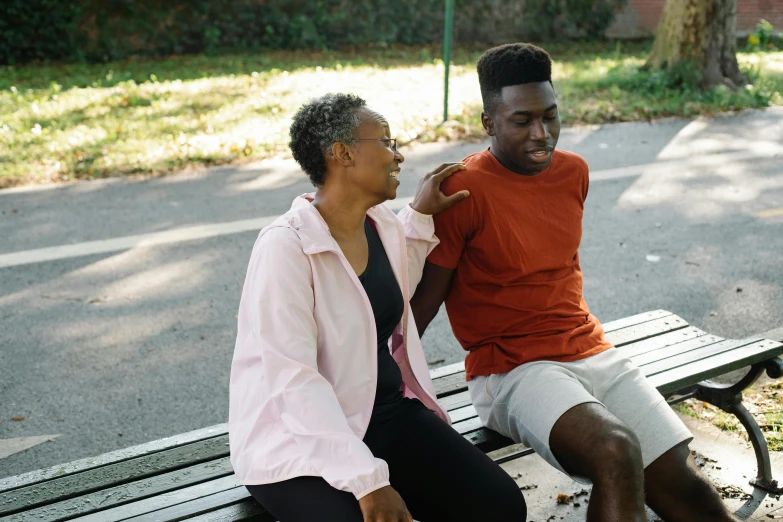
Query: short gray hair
pixel 320 123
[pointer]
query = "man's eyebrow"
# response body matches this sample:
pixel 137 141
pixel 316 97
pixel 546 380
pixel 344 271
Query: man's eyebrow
pixel 529 113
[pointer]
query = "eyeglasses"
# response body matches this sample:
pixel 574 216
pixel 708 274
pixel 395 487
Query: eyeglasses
pixel 390 142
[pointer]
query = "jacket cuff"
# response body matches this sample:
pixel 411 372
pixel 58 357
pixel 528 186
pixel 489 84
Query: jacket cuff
pixel 416 224
pixel 424 218
pixel 371 489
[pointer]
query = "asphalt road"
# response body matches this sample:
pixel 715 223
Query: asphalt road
pixel 111 345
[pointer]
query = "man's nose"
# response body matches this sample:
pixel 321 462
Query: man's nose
pixel 538 131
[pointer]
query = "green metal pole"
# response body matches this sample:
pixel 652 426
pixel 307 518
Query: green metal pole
pixel 447 34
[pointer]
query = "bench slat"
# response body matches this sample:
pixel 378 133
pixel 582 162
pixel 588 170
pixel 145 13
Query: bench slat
pixel 247 510
pixel 633 320
pixel 646 330
pixel 97 461
pixel 662 341
pixel 693 356
pixel 71 485
pixel 126 493
pixel 148 505
pixel 675 349
pixel 670 381
pixel 461 414
pixel 198 506
pixel 458 400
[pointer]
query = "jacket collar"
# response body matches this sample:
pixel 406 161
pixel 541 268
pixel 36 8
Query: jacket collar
pixel 313 231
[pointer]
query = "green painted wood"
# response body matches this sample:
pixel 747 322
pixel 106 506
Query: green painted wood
pixel 645 330
pixel 197 507
pixel 468 425
pixel 693 356
pixel 162 501
pixel 450 384
pixel 461 414
pixel 774 335
pixel 246 511
pixel 633 320
pixel 75 484
pixel 678 378
pixel 659 342
pixel 126 493
pixel 77 466
pixel 458 400
pixel 437 373
pixel 675 349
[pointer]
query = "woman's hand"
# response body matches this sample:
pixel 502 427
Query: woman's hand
pixel 429 199
pixel 384 505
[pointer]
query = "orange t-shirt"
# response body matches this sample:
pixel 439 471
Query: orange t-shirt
pixel 516 295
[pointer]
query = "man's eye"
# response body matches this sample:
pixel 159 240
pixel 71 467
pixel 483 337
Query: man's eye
pixel 522 123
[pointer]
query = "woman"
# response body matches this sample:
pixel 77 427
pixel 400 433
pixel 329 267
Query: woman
pixel 333 415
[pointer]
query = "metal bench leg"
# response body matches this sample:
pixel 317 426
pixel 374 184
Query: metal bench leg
pixel 729 399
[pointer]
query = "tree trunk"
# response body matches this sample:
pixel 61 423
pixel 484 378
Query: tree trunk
pixel 700 34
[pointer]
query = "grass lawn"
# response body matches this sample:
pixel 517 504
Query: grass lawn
pixel 763 402
pixel 63 122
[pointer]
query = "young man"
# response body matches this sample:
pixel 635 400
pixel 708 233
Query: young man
pixel 540 370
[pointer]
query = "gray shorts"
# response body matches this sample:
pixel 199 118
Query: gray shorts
pixel 525 403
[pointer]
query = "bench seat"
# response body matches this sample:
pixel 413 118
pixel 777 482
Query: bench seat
pixel 189 476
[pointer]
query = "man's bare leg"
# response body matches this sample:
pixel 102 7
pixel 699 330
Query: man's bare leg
pixel 589 441
pixel 678 491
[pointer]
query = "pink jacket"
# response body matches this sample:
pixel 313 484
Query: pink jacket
pixel 305 364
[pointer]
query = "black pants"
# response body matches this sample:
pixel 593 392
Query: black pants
pixel 441 477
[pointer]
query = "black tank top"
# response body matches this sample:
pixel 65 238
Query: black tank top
pixel 387 306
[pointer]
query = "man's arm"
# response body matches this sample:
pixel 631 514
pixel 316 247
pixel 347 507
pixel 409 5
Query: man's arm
pixel 430 294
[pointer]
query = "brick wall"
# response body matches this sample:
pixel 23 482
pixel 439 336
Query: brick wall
pixel 640 17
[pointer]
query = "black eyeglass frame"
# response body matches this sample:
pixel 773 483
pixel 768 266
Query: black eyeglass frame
pixel 391 142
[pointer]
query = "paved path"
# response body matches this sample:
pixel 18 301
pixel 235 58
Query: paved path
pixel 118 298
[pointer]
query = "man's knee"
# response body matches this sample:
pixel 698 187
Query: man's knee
pixel 618 452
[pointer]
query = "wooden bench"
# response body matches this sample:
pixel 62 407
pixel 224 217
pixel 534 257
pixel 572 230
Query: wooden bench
pixel 189 476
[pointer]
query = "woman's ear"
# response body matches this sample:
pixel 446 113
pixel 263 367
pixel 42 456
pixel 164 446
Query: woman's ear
pixel 343 154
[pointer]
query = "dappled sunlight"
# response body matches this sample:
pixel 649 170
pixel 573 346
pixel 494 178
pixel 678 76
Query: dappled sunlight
pixel 764 136
pixel 161 281
pixel 208 110
pixel 274 174
pixel 703 194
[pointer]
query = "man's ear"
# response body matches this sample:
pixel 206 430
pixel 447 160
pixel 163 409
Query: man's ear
pixel 343 154
pixel 489 125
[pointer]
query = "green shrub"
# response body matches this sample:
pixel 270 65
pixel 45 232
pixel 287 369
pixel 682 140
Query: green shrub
pixel 106 30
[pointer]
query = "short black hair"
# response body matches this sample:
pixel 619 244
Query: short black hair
pixel 320 123
pixel 511 64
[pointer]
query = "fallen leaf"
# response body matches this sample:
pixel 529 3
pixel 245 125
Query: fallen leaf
pixel 17 418
pixel 436 361
pixel 563 498
pixel 528 486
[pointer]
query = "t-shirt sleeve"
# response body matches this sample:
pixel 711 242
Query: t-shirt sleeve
pixel 453 226
pixel 585 182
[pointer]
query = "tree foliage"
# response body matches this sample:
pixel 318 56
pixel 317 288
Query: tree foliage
pixel 101 30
